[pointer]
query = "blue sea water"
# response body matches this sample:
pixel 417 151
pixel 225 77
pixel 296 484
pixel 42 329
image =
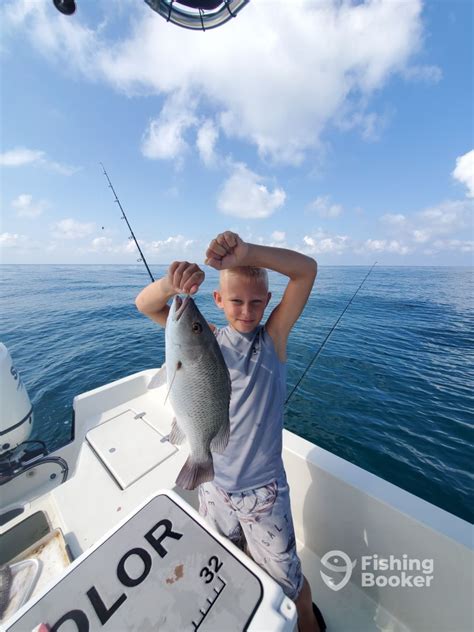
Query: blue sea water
pixel 391 390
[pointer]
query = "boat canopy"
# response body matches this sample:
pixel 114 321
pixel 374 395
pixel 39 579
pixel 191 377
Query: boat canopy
pixel 197 14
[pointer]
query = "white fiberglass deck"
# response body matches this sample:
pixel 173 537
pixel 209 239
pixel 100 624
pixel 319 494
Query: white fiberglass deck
pixel 336 507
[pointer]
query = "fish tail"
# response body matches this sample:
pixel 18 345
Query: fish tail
pixel 193 474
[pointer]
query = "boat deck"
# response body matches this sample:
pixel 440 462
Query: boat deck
pixel 119 459
pixel 97 485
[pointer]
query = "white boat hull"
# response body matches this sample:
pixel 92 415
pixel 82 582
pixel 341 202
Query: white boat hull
pixel 117 460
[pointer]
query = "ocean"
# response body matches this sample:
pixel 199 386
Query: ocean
pixel 391 391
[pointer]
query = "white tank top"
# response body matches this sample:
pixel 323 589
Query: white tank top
pixel 252 457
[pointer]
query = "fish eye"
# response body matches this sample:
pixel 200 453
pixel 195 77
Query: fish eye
pixel 197 328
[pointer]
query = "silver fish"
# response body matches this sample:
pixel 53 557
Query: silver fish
pixel 199 388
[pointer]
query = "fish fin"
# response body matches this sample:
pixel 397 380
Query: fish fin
pixel 176 436
pixel 178 366
pixel 220 441
pixel 193 474
pixel 159 378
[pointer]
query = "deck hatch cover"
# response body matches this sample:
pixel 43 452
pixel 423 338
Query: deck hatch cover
pixel 129 447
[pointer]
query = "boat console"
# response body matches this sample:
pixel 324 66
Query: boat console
pixel 158 569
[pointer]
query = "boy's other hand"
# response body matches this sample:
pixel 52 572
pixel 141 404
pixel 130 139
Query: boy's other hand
pixel 184 277
pixel 227 250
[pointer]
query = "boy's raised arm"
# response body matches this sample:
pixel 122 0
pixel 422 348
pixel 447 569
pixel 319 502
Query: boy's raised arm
pixel 228 250
pixel 182 278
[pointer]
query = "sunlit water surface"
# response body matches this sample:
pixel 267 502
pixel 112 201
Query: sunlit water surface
pixel 390 392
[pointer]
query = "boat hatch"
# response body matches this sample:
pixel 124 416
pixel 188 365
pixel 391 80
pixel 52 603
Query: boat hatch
pixel 9 515
pixel 129 446
pixel 159 569
pixel 22 535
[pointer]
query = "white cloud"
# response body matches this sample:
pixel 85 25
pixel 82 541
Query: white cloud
pixel 174 247
pixel 427 74
pixel 22 156
pixel 321 242
pixel 383 245
pixel 170 245
pixel 323 206
pixel 443 220
pixel 206 140
pixel 65 170
pixel 101 244
pixel 12 240
pixel 354 115
pixel 244 195
pixel 464 171
pixel 59 39
pixel 392 219
pixel 304 64
pixel 130 246
pixel 105 245
pixel 421 236
pixel 25 207
pixel 454 244
pixel 164 137
pixel 278 235
pixel 72 229
pixel 430 230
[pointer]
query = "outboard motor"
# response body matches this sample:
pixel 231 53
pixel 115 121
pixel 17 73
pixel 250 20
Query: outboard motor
pixel 19 453
pixel 16 411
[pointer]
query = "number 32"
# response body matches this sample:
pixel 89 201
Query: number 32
pixel 206 572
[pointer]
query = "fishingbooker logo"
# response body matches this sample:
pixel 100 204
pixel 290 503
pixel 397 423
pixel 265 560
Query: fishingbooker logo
pixel 376 570
pixel 341 563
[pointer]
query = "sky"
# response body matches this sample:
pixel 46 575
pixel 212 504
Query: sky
pixel 340 129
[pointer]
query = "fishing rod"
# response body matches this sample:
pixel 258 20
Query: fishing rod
pixel 327 337
pixel 142 256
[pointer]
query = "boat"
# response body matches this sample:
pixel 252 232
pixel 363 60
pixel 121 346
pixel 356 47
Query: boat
pixel 97 536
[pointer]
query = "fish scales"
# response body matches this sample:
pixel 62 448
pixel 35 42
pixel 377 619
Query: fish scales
pixel 199 390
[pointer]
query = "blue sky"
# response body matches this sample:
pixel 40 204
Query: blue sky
pixel 341 129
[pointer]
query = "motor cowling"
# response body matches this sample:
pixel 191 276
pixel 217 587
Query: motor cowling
pixel 16 411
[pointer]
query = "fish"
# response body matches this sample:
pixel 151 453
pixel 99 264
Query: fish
pixel 199 390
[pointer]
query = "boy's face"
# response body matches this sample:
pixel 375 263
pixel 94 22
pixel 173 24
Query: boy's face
pixel 243 300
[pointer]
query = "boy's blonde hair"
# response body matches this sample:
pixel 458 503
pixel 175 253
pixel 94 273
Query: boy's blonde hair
pixel 249 272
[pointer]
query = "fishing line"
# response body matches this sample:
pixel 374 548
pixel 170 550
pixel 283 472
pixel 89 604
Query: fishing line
pixel 178 366
pixel 142 256
pixel 327 337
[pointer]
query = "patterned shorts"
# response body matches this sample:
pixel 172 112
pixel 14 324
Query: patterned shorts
pixel 262 519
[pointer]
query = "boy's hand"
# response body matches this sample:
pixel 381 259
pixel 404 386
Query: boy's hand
pixel 184 277
pixel 227 250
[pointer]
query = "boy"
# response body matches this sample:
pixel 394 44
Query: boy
pixel 249 496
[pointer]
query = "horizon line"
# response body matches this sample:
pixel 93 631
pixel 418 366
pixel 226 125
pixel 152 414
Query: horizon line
pixel 332 265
